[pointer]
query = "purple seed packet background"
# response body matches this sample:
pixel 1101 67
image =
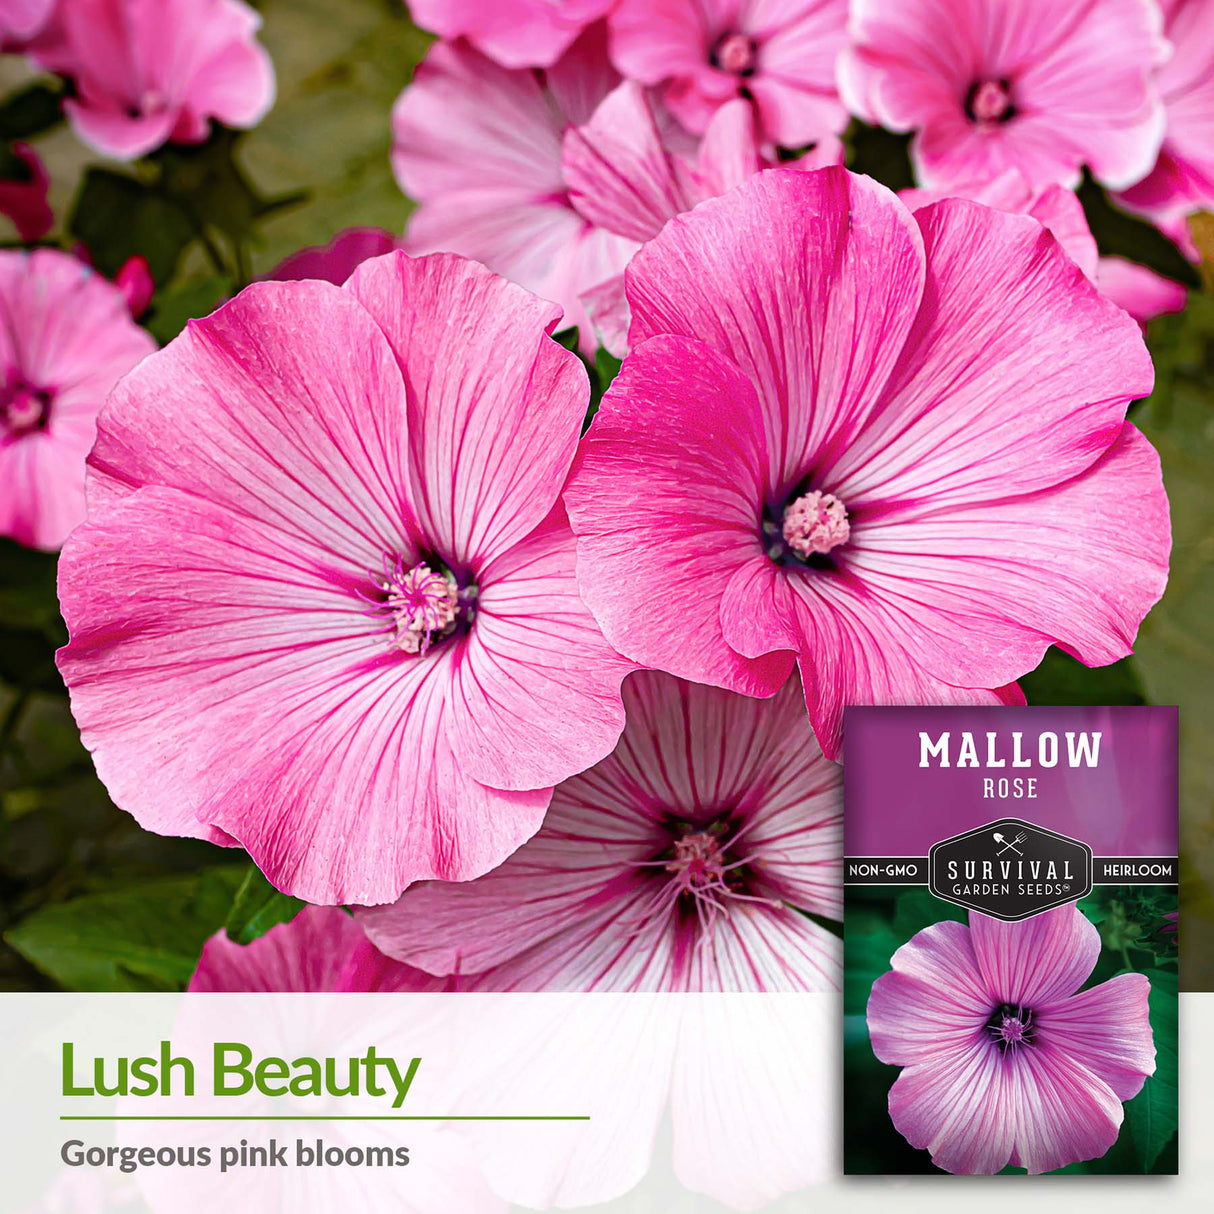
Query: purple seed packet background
pixel 1126 806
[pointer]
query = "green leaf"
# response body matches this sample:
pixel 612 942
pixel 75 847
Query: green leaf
pixel 918 909
pixel 117 217
pixel 329 132
pixel 1061 679
pixel 1151 1118
pixel 140 938
pixel 1174 653
pixel 258 907
pixel 27 591
pixel 879 153
pixel 28 112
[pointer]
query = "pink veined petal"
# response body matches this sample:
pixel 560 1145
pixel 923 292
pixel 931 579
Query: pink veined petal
pixel 534 242
pixel 956 1107
pixel 856 649
pixel 495 406
pixel 934 1000
pixel 22 19
pixel 988 586
pixel 337 260
pixel 536 695
pixel 1016 347
pixel 43 479
pixel 600 951
pixel 585 905
pixel 65 331
pixel 1062 1112
pixel 466 122
pixel 321 949
pixel 796 835
pixel 193 630
pixel 750 248
pixel 297 415
pixel 1037 961
pixel 583 76
pixel 664 499
pixel 1055 208
pixel 766 948
pixel 578 863
pixel 619 175
pixel 1106 1028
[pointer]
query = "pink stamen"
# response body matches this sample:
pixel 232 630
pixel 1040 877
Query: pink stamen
pixel 990 101
pixel 815 523
pixel 423 605
pixel 22 408
pixel 735 54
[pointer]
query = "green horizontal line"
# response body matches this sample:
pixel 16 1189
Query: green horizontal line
pixel 347 1117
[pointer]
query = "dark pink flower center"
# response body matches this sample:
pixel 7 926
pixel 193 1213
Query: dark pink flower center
pixel 1011 1026
pixel 23 408
pixel 421 604
pixel 989 102
pixel 734 53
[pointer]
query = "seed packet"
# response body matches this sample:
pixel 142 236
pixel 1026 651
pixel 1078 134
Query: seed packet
pixel 1010 925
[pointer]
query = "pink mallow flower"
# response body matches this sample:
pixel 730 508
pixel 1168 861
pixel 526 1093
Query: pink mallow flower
pixel 778 54
pixel 324 604
pixel 1003 1061
pixel 479 148
pixel 1045 86
pixel 66 339
pixel 673 865
pixel 1182 180
pixel 556 179
pixel 337 260
pixel 147 72
pixel 888 446
pixel 321 949
pixel 516 33
pixel 1139 290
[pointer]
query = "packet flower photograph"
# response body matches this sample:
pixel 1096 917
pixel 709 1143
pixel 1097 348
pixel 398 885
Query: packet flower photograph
pixel 646 563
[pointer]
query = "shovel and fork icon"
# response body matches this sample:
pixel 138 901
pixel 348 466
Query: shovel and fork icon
pixel 1010 844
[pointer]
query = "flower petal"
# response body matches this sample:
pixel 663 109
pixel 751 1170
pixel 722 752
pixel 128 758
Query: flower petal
pixel 321 949
pixel 1108 1029
pixel 956 1106
pixel 932 1001
pixel 1037 961
pixel 619 175
pixel 194 630
pixel 1062 1112
pixel 495 406
pixel 1016 349
pixel 296 411
pixel 536 695
pixel 741 276
pixel 664 499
